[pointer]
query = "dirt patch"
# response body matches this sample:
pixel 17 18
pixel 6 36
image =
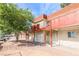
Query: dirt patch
pixel 23 49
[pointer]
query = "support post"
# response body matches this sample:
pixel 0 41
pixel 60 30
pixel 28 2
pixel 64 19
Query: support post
pixel 45 37
pixel 33 38
pixel 51 37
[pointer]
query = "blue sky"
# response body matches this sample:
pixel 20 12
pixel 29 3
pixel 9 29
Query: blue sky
pixel 40 8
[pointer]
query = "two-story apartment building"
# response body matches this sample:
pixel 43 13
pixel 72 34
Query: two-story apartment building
pixel 62 25
pixel 39 33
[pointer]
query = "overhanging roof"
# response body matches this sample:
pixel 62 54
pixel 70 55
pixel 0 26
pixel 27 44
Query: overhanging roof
pixel 66 9
pixel 39 18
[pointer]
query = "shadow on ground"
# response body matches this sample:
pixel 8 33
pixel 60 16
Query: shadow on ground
pixel 28 43
pixel 25 43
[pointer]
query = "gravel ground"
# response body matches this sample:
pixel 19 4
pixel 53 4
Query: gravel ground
pixel 28 49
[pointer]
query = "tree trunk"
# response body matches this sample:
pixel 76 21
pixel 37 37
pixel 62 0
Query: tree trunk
pixel 17 36
pixel 27 35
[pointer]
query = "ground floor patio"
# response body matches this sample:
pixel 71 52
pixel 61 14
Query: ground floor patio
pixel 28 49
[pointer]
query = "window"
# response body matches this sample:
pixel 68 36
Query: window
pixel 42 23
pixel 71 34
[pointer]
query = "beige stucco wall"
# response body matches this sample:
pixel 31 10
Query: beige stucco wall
pixel 63 35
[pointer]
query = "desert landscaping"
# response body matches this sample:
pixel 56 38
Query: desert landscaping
pixel 22 48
